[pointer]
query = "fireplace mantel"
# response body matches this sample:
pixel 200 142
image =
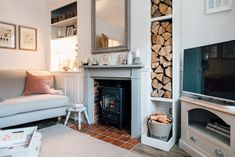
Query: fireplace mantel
pixel 116 72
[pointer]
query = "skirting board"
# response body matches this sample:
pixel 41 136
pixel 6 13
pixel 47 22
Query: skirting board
pixel 190 150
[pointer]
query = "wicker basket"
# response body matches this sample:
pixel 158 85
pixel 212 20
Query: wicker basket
pixel 158 130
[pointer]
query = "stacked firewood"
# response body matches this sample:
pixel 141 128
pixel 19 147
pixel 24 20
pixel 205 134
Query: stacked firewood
pixel 161 8
pixel 161 59
pixel 160 118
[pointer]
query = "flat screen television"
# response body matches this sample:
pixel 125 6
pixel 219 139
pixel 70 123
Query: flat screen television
pixel 210 71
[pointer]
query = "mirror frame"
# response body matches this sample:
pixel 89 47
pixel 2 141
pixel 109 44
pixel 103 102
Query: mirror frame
pixel 125 47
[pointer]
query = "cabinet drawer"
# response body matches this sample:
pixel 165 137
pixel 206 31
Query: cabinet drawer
pixel 209 148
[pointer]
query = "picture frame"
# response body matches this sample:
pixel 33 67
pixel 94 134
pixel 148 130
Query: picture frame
pixel 27 38
pixel 228 50
pixel 69 30
pixel 215 6
pixel 7 35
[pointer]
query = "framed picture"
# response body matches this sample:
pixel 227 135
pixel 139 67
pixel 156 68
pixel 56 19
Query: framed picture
pixel 27 38
pixel 214 6
pixel 7 35
pixel 69 30
pixel 122 59
pixel 228 51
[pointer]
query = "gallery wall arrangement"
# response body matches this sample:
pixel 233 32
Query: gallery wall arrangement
pixel 27 37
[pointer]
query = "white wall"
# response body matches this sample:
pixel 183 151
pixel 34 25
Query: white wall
pixel 32 13
pixel 200 29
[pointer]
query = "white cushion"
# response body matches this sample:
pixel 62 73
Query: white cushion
pixel 24 104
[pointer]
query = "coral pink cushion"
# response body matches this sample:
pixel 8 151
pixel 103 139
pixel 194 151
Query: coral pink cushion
pixel 37 84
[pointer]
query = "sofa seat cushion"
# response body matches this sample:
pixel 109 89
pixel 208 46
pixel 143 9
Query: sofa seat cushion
pixel 31 103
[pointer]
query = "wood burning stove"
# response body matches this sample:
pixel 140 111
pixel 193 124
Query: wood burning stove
pixel 112 101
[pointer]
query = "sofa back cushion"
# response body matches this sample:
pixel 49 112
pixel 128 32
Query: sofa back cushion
pixel 12 83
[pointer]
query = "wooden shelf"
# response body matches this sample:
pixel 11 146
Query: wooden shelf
pixel 162 18
pixel 67 22
pixel 161 99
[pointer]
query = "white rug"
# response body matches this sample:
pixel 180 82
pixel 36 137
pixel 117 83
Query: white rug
pixel 61 141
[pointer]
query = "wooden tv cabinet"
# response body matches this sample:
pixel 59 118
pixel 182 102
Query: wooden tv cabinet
pixel 196 139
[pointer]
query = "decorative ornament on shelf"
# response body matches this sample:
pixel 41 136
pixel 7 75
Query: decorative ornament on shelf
pixel 136 58
pixel 106 60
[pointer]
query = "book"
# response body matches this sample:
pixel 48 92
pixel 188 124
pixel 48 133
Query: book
pixel 219 127
pixel 218 131
pixel 12 138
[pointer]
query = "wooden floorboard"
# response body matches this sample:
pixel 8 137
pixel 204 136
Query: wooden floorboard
pixel 147 151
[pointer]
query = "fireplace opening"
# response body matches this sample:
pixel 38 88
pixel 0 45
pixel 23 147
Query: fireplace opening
pixel 113 103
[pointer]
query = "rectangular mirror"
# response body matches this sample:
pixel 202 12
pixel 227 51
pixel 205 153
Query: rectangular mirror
pixel 110 26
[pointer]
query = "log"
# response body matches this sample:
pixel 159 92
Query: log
pixel 154 39
pixel 160 86
pixel 168 86
pixel 169 11
pixel 159 77
pixel 168 2
pixel 155 27
pixel 162 60
pixel 161 93
pixel 162 52
pixel 168 57
pixel 165 24
pixel 159 69
pixel 168 94
pixel 155 65
pixel 166 80
pixel 156 1
pixel 156 48
pixel 155 83
pixel 168 49
pixel 166 35
pixel 155 59
pixel 168 42
pixel 168 72
pixel 163 8
pixel 154 93
pixel 160 40
pixel 153 75
pixel 169 28
pixel 155 11
pixel 161 30
pixel 166 64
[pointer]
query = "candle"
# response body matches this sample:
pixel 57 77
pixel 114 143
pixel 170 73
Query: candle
pixel 137 53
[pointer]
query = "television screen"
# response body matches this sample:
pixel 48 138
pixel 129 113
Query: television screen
pixel 210 70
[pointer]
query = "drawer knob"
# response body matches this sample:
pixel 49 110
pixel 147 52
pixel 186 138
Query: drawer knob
pixel 193 138
pixel 219 153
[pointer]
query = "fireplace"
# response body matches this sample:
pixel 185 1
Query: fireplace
pixel 114 73
pixel 113 103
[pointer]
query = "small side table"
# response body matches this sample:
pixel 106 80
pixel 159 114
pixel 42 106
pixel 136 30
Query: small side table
pixel 78 111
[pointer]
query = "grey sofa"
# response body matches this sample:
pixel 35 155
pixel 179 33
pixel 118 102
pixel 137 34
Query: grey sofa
pixel 17 109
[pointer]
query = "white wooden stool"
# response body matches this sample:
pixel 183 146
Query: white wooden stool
pixel 78 109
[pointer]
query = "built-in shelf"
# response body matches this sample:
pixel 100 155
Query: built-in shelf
pixel 210 134
pixel 67 22
pixel 162 18
pixel 65 38
pixel 145 139
pixel 161 99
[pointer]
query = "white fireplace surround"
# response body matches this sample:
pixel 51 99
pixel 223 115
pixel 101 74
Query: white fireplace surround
pixel 116 72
